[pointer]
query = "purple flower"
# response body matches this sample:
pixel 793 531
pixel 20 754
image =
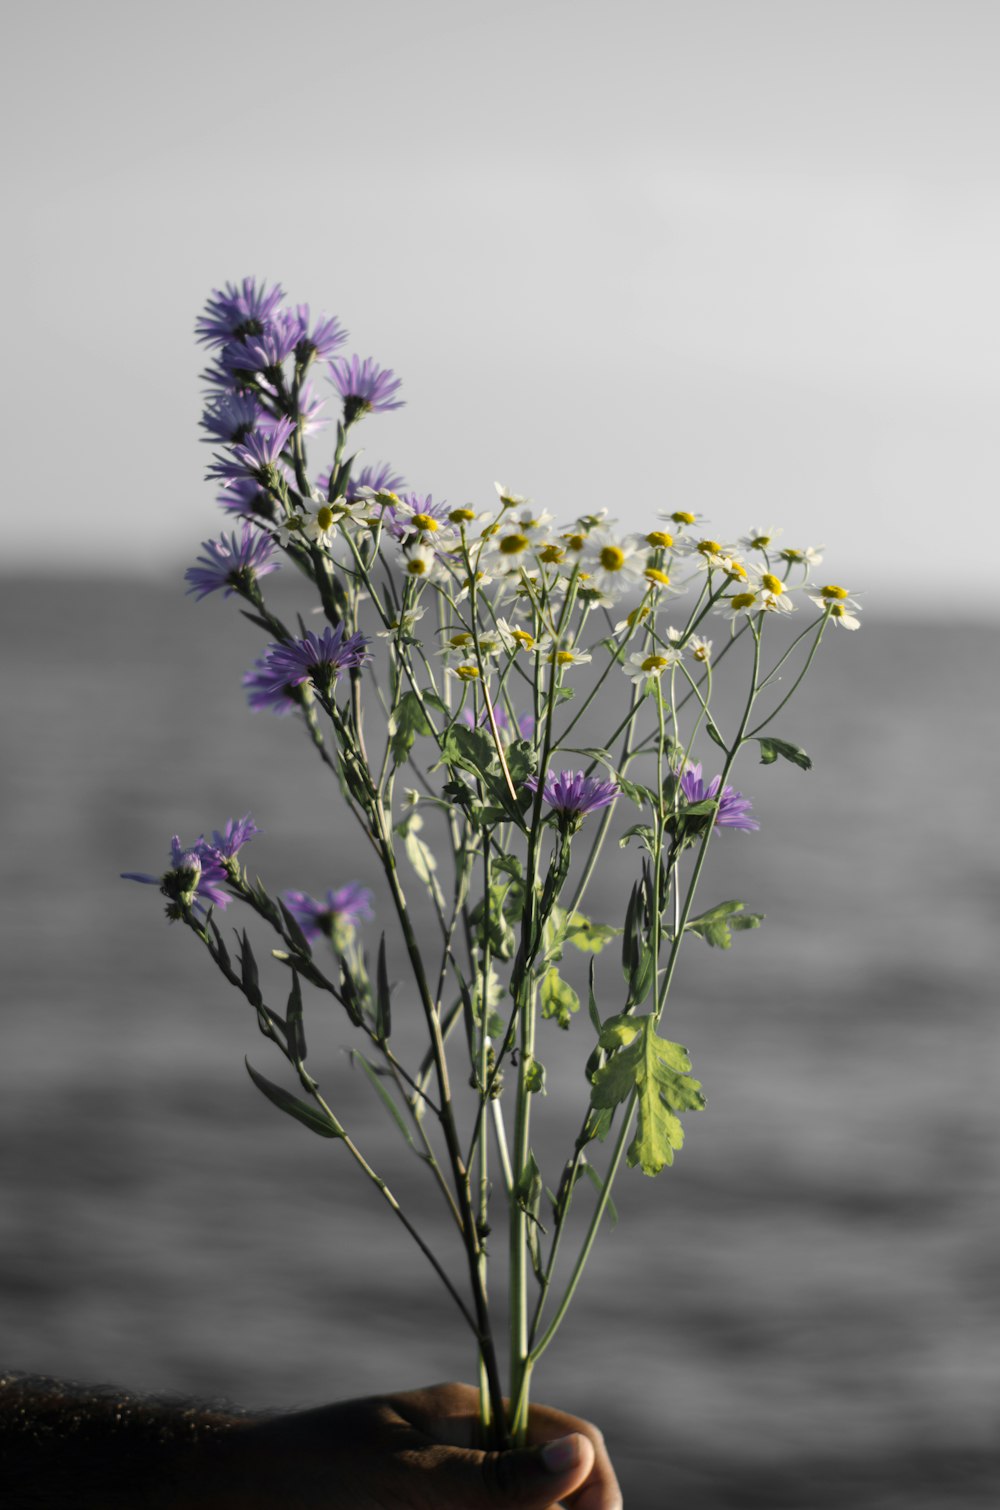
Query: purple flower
pixel 733 806
pixel 573 795
pixel 231 417
pixel 246 497
pixel 234 312
pixel 237 832
pixel 364 386
pixel 256 456
pixel 321 341
pixel 193 882
pixel 340 911
pixel 265 352
pixel 264 692
pixel 381 479
pixel 231 562
pixel 399 522
pixel 316 659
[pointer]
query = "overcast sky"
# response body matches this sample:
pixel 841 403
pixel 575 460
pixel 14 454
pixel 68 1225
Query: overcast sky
pixel 737 256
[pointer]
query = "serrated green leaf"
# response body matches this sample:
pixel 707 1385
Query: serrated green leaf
pixel 557 997
pixel 655 1069
pixel 588 937
pixel 717 925
pixel 407 721
pixel 309 1116
pixel 771 748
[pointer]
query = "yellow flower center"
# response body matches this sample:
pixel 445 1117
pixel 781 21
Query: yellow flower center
pixel 659 540
pixel 612 559
pixel 760 542
pixel 513 545
pixel 551 553
pixel 458 640
pixel 523 638
pixel 575 542
pixel 837 610
pixel 743 599
pixel 659 577
pixel 709 547
pixel 833 591
pixel 461 516
pixel 563 657
pixel 636 617
pixel 416 566
pixel 682 518
pixel 773 584
pixel 467 673
pixel 793 555
pixel 324 517
pixel 654 663
pixel 490 530
pixel 701 652
pixel 736 569
pixel 425 522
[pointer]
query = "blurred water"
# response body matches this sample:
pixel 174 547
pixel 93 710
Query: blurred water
pixel 802 1311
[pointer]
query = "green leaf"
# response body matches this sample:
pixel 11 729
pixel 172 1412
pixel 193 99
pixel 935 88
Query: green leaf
pixel 407 721
pixel 521 760
pixel 586 936
pixel 383 1006
pixel 293 1023
pixel 383 1095
pixel 534 1078
pixel 656 1069
pixel 714 735
pixel 641 977
pixel 640 831
pixel 528 1194
pixel 771 748
pixel 717 925
pixel 248 973
pixel 433 701
pixel 557 997
pixel 294 932
pixel 315 1120
pixel 469 749
pixel 595 1016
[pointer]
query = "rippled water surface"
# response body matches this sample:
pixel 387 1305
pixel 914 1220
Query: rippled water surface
pixel 802 1312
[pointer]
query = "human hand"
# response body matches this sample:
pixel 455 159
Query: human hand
pixel 414 1451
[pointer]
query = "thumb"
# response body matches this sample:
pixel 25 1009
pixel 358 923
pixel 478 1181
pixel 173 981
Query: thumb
pixel 532 1479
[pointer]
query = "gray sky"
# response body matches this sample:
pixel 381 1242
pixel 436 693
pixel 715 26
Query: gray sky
pixel 738 256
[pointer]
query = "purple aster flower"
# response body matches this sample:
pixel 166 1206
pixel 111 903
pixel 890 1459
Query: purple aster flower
pixel 733 807
pixel 232 562
pixel 245 496
pixel 322 340
pixel 573 795
pixel 231 417
pixel 255 457
pixel 341 910
pixel 227 844
pixel 317 659
pixel 381 479
pixel 267 351
pixel 237 311
pixel 364 386
pixel 264 692
pixel 193 882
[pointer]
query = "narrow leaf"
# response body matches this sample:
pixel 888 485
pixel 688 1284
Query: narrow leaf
pixel 309 1116
pixel 771 748
pixel 383 1007
pixel 384 1096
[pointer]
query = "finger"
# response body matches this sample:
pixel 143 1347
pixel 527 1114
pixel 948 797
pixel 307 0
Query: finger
pixel 530 1479
pixel 600 1491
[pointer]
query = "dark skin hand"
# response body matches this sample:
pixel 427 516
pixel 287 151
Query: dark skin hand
pixel 416 1451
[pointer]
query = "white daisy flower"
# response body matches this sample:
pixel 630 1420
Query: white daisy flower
pixel 421 563
pixel 403 625
pixel 772 593
pixel 554 654
pixel 651 664
pixel 615 562
pixel 760 537
pixel 843 608
pixel 681 519
pixel 700 648
pixel 739 605
pixel 807 556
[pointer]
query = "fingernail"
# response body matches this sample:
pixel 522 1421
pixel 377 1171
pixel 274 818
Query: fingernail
pixel 562 1454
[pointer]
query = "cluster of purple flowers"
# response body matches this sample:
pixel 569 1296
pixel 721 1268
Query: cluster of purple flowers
pixel 318 659
pixel 199 871
pixel 733 807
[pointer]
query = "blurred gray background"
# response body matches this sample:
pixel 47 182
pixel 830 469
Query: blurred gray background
pixel 737 258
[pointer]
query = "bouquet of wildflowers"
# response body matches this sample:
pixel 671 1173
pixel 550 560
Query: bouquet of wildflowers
pixel 451 695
